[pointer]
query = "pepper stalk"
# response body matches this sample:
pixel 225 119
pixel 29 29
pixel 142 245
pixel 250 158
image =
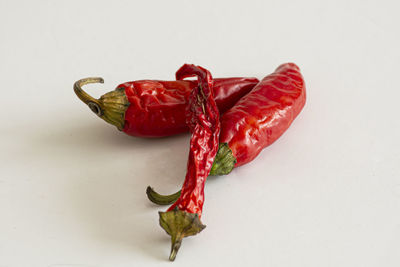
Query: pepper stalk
pixel 223 164
pixel 111 106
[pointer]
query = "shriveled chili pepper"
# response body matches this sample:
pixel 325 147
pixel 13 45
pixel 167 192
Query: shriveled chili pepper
pixel 182 219
pixel 152 108
pixel 255 121
pixel 261 117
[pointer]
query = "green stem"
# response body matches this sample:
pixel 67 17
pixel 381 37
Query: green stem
pixel 179 224
pixel 224 163
pixel 111 106
pixel 158 199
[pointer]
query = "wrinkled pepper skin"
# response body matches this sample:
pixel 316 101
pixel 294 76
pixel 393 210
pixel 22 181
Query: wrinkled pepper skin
pixel 182 219
pixel 254 122
pixel 264 114
pixel 157 108
pixel 202 118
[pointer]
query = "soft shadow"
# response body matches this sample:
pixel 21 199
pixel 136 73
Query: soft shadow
pixel 111 203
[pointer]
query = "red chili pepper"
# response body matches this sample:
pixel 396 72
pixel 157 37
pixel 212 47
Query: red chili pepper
pixel 183 217
pixel 151 108
pixel 261 117
pixel 254 122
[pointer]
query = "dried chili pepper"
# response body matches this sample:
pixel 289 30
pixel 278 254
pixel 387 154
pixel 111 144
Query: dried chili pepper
pixel 261 117
pixel 152 108
pixel 255 121
pixel 182 219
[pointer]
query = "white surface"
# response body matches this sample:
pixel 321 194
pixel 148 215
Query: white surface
pixel 72 188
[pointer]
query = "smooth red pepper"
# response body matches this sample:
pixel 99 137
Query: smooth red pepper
pixel 183 217
pixel 152 108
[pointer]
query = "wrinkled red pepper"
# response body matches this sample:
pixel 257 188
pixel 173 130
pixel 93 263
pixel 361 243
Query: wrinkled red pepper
pixel 152 108
pixel 260 117
pixel 254 122
pixel 183 217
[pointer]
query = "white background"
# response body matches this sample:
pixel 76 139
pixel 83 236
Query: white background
pixel 72 188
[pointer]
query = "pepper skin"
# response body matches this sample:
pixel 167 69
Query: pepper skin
pixel 254 122
pixel 261 117
pixel 202 117
pixel 152 108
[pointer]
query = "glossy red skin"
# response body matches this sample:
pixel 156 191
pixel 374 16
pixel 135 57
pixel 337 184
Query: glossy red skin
pixel 264 114
pixel 157 108
pixel 204 124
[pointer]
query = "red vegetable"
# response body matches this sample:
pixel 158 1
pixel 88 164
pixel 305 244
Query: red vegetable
pixel 261 117
pixel 254 122
pixel 183 217
pixel 152 108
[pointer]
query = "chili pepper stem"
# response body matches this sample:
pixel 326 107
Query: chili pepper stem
pixel 111 106
pixel 224 161
pixel 175 245
pixel 86 98
pixel 158 199
pixel 179 224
